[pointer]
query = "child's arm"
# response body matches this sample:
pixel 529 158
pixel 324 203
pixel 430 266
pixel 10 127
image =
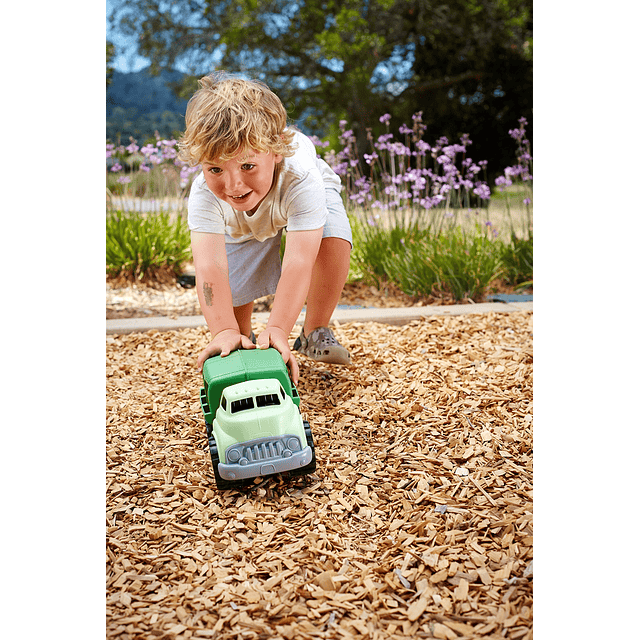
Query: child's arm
pixel 214 294
pixel 297 264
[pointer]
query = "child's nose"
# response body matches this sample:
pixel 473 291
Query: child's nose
pixel 233 181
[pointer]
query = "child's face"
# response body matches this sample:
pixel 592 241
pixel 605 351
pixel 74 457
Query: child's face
pixel 244 181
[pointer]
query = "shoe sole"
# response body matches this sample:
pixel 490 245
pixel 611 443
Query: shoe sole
pixel 336 355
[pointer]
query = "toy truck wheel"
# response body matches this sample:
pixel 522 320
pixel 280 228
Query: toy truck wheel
pixel 221 483
pixel 311 467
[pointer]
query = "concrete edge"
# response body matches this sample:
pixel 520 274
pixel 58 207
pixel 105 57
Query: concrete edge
pixel 396 316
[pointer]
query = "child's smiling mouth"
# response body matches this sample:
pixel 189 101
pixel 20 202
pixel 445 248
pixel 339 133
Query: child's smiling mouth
pixel 242 197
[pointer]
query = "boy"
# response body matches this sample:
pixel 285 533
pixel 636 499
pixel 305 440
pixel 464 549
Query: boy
pixel 258 177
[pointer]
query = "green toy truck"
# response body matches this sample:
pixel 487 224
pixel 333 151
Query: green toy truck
pixel 252 413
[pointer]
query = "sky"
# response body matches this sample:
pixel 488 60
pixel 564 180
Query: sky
pixel 126 60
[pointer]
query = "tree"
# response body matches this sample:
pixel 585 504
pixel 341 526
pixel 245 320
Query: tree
pixel 352 59
pixel 472 72
pixel 111 52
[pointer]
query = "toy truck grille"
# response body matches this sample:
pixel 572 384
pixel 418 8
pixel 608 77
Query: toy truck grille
pixel 264 456
pixel 266 449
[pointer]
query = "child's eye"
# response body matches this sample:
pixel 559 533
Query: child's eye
pixel 215 170
pixel 247 166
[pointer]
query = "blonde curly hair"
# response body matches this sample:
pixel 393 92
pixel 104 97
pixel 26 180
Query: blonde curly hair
pixel 229 115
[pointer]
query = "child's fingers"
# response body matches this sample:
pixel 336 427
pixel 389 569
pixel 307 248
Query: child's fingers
pixel 246 343
pixel 294 370
pixel 279 342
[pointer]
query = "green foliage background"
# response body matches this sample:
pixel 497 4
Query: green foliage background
pixel 467 64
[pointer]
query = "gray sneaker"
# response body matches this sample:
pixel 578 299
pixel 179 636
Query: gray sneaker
pixel 321 345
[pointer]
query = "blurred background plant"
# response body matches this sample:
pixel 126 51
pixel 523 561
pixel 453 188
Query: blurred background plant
pixel 147 178
pixel 150 247
pixel 421 214
pixel 434 68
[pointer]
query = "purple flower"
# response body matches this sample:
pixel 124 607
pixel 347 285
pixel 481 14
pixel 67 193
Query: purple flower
pixel 346 135
pixel 341 169
pixel 483 191
pixel 385 118
pixel 370 158
pixel 405 130
pixel 116 167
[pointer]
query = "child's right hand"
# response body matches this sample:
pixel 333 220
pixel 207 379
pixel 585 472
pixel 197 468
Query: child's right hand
pixel 223 344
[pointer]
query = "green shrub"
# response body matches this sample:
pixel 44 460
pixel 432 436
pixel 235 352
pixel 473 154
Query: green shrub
pixel 372 246
pixel 517 258
pixel 139 245
pixel 412 268
pixel 466 264
pixel 453 261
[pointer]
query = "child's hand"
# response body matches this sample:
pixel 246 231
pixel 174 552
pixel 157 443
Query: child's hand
pixel 223 344
pixel 276 338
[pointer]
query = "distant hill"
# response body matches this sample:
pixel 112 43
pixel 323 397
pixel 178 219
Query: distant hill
pixel 138 104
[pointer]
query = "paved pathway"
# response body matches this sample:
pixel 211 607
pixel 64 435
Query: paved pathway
pixel 341 315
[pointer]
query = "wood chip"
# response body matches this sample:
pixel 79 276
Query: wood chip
pixel 385 540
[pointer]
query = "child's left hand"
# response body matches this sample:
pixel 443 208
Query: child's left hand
pixel 276 338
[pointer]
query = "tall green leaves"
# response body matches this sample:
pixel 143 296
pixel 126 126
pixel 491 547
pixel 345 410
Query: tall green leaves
pixel 422 262
pixel 138 245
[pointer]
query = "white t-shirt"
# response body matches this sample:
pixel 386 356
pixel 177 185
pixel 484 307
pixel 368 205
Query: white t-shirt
pixel 296 201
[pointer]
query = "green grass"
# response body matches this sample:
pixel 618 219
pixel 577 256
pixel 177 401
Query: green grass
pixel 140 246
pixel 452 254
pixel 517 259
pixel 421 261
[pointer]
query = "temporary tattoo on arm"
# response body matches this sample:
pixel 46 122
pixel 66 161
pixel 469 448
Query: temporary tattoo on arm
pixel 208 294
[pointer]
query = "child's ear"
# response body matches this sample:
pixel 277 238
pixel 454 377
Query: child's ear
pixel 277 158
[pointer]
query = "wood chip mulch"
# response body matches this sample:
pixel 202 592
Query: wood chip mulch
pixel 126 299
pixel 139 300
pixel 418 522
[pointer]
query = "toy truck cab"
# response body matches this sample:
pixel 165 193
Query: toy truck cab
pixel 254 425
